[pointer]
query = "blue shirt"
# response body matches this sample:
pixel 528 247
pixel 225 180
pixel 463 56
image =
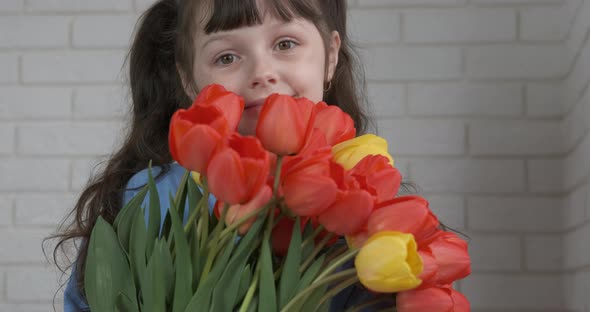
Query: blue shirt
pixel 168 184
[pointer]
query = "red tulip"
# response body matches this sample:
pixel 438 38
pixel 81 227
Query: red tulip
pixel 434 299
pixel 238 171
pixel 352 207
pixel 428 274
pixel 306 184
pixel 378 177
pixel 236 212
pixel 231 104
pixel 336 125
pixel 195 134
pixel 407 214
pixel 452 259
pixel 283 230
pixel 285 124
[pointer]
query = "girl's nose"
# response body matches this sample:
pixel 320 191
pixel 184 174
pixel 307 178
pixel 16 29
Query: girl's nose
pixel 264 74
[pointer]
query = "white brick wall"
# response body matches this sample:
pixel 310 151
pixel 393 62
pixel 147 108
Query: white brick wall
pixel 485 104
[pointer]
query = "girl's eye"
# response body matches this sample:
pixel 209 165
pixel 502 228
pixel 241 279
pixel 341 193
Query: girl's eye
pixel 286 45
pixel 226 59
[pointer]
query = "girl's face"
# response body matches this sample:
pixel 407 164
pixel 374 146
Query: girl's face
pixel 273 57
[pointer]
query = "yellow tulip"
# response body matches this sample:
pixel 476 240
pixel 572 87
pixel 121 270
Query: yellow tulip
pixel 196 177
pixel 350 152
pixel 389 262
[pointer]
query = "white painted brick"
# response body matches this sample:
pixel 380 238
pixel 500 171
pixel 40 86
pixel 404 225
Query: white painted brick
pixel 516 61
pixel 34 284
pixel 576 251
pixel 30 102
pixel 20 246
pixel 578 31
pixel 575 207
pixel 372 26
pixel 34 31
pixel 71 138
pixel 450 99
pixel 412 63
pixel 519 214
pixel 6 209
pixel 34 209
pixel 6 139
pixel 588 201
pixel 9 6
pixel 460 25
pixel 495 252
pixel 468 175
pixel 387 100
pixel 99 66
pixel 578 78
pixel 34 174
pixel 82 170
pixel 515 138
pixel 544 99
pixel 449 209
pixel 577 163
pixel 516 1
pixel 109 101
pixel 502 292
pixel 103 31
pixel 77 5
pixel 32 307
pixel 573 126
pixel 423 137
pixel 370 3
pixel 544 252
pixel 546 175
pixel 544 23
pixel 8 67
pixel 576 289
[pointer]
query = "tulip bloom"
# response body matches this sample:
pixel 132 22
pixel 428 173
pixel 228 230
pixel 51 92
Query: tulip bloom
pixel 389 262
pixel 434 299
pixel 285 124
pixel 306 184
pixel 238 171
pixel 336 125
pixel 230 104
pixel 378 177
pixel 452 259
pixel 236 212
pixel 195 134
pixel 349 153
pixel 408 214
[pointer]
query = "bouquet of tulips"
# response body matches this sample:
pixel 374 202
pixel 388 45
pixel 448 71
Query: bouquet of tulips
pixel 304 210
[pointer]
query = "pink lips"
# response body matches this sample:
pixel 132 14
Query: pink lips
pixel 255 104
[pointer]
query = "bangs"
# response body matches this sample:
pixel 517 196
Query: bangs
pixel 232 14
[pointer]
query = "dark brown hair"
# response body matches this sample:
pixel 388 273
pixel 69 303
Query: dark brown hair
pixel 163 41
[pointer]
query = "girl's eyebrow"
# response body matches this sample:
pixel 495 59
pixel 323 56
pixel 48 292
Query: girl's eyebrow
pixel 215 37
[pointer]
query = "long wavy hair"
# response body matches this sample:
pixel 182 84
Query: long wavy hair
pixel 162 46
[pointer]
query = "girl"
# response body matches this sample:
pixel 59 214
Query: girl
pixel 253 48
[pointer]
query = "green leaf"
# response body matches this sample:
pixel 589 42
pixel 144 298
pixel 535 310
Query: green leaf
pixel 137 258
pixel 201 300
pixel 313 299
pixel 183 284
pixel 158 282
pixel 245 281
pixel 268 296
pixel 125 304
pixel 107 271
pixel 308 249
pixel 290 275
pixel 196 256
pixel 194 195
pixel 226 290
pixel 308 277
pixel 153 228
pixel 124 220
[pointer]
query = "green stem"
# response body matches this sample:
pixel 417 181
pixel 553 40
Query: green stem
pixel 317 250
pixel 339 261
pixel 313 235
pixel 318 283
pixel 250 294
pixel 228 230
pixel 214 248
pixel 336 289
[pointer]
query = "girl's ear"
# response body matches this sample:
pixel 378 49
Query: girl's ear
pixel 188 90
pixel 333 54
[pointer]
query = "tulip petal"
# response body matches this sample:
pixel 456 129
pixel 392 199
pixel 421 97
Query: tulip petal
pixel 336 125
pixel 434 299
pixel 349 212
pixel 225 176
pixel 195 156
pixel 308 195
pixel 451 256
